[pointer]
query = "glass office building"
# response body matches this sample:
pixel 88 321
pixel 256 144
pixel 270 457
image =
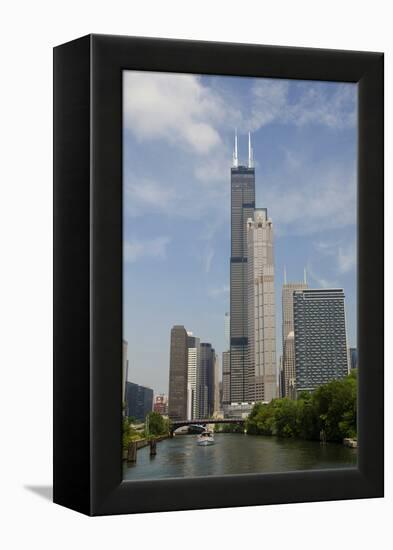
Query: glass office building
pixel 321 350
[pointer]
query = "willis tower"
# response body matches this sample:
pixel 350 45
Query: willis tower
pixel 242 208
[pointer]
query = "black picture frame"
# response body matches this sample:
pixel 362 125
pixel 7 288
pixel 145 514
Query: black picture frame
pixel 88 274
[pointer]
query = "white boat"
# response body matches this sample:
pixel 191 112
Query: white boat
pixel 205 438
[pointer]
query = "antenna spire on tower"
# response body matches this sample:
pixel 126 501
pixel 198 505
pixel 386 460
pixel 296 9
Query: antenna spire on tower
pixel 305 276
pixel 285 275
pixel 250 152
pixel 235 161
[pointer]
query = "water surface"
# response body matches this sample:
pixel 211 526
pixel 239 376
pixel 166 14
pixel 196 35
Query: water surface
pixel 237 454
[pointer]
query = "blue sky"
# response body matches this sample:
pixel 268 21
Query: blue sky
pixel 178 142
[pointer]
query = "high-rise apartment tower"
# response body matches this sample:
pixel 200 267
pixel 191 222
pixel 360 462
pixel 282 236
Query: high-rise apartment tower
pixel 288 342
pixel 321 350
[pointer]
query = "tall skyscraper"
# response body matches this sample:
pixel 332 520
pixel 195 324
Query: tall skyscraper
pixel 125 370
pixel 194 358
pixel 281 378
pixel 242 208
pixel 205 382
pixel 288 344
pixel 178 373
pixel 321 350
pixel 353 358
pixel 262 364
pixel 226 364
pixel 216 385
pixel 226 375
pixel 289 371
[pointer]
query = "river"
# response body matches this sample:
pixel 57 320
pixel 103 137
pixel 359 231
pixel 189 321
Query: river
pixel 236 454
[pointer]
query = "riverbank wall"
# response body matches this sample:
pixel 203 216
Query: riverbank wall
pixel 140 443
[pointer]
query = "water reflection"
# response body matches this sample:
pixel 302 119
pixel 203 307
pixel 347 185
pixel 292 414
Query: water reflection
pixel 237 454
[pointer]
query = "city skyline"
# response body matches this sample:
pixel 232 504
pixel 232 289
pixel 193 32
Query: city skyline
pixel 176 232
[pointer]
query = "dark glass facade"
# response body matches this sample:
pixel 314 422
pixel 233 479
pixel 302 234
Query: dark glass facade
pixel 242 208
pixel 353 355
pixel 321 353
pixel 178 373
pixel 226 378
pixel 139 401
pixel 205 382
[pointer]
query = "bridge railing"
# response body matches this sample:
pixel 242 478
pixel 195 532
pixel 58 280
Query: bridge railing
pixel 208 421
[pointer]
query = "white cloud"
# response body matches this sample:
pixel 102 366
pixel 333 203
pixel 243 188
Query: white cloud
pixel 208 258
pixel 272 103
pixel 346 258
pixel 344 254
pixel 189 113
pixel 135 249
pixel 337 110
pixel 214 170
pixel 308 197
pixel 321 281
pixel 148 193
pixel 218 291
pixel 269 102
pixel 176 107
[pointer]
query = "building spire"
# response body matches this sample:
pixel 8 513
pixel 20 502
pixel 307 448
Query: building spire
pixel 250 152
pixel 305 276
pixel 235 161
pixel 285 275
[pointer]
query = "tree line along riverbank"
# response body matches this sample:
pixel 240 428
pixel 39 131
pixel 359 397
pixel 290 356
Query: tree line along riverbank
pixel 329 414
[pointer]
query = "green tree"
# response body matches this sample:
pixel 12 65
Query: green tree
pixel 285 418
pixel 331 408
pixel 336 405
pixel 229 428
pixel 129 433
pixel 158 425
pixel 261 419
pixel 306 417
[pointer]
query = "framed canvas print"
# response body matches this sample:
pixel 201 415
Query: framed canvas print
pixel 218 275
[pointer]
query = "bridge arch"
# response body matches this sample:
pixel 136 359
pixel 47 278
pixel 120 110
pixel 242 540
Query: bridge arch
pixel 175 424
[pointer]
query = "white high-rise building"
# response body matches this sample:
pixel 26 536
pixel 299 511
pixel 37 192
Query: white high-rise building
pixel 189 402
pixel 262 366
pixel 193 366
pixel 227 328
pixel 289 371
pixel 216 389
pixel 288 344
pixel 124 370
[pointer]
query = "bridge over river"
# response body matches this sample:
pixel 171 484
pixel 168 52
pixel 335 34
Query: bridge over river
pixel 202 421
